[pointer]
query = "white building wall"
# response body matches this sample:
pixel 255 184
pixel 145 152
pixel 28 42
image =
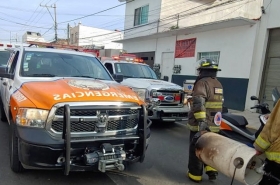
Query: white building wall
pixel 204 11
pixel 268 21
pixel 166 44
pixel 95 36
pixel 154 15
pixel 32 37
pixel 235 45
pixel 193 12
pixel 140 46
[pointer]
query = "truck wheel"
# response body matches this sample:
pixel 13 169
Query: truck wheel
pixel 2 112
pixel 15 164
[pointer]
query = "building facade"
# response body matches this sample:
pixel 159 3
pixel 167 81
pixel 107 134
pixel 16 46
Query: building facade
pixel 32 36
pixel 177 34
pixel 265 68
pixel 81 35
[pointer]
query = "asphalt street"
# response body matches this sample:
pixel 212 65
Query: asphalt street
pixel 165 163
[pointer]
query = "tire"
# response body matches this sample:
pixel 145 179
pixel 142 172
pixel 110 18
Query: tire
pixel 2 112
pixel 15 164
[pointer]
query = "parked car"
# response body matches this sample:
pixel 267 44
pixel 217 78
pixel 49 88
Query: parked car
pixel 65 111
pixel 165 100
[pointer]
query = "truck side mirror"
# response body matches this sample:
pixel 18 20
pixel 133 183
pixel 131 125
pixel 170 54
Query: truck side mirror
pixel 3 69
pixel 4 74
pixel 118 77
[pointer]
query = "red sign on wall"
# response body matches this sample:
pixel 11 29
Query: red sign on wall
pixel 185 48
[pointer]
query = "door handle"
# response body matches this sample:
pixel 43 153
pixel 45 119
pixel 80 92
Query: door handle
pixel 4 83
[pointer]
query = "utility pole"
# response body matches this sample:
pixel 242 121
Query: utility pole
pixel 54 19
pixel 68 33
pixel 55 22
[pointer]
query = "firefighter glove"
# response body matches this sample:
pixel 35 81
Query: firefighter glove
pixel 203 126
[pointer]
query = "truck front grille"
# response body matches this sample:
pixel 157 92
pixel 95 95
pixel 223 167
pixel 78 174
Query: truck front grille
pixel 88 112
pixel 86 119
pixel 176 94
pixel 90 126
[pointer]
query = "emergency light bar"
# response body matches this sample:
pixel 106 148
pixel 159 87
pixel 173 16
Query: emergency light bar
pixel 129 59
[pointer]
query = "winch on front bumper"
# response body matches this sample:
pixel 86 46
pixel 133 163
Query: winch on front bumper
pixel 110 157
pixel 37 150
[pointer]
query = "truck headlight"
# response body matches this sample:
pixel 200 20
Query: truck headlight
pixel 32 117
pixel 141 93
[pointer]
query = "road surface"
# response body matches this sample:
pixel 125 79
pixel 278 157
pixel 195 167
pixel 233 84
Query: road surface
pixel 165 163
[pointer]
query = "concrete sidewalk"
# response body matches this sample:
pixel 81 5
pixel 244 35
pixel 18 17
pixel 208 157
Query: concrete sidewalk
pixel 252 117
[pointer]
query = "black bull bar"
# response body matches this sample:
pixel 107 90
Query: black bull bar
pixel 66 135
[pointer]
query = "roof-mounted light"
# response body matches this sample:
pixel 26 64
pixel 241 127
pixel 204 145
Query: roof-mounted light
pixel 138 60
pixel 116 58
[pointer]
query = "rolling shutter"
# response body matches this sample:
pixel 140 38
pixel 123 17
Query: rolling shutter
pixel 272 73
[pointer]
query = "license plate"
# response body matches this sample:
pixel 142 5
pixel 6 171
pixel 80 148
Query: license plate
pixel 178 119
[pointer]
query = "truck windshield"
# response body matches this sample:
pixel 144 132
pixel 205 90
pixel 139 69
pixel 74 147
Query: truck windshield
pixel 51 64
pixel 4 57
pixel 135 70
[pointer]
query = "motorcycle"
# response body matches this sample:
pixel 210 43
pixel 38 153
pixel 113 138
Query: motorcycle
pixel 235 126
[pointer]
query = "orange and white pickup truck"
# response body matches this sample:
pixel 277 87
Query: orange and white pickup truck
pixel 65 111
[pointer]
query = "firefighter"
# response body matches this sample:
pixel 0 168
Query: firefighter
pixel 205 114
pixel 268 141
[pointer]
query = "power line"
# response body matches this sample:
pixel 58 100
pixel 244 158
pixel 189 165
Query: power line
pixel 30 17
pixel 54 18
pixel 25 24
pixel 97 12
pixel 185 16
pixel 170 6
pixel 157 21
pixel 268 4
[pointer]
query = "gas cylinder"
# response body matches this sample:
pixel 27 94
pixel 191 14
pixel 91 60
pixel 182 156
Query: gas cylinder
pixel 232 158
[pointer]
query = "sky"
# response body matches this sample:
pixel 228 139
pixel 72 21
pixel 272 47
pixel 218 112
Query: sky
pixel 18 16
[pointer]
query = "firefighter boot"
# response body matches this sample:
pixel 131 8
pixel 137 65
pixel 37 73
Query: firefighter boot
pixel 194 178
pixel 211 172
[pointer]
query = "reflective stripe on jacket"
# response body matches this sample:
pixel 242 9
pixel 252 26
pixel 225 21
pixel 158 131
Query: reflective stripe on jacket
pixel 268 140
pixel 206 102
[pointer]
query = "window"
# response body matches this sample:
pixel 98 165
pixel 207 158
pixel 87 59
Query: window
pixel 135 71
pixel 76 37
pixel 109 67
pixel 13 63
pixel 72 38
pixel 211 55
pixel 48 64
pixel 4 57
pixel 141 15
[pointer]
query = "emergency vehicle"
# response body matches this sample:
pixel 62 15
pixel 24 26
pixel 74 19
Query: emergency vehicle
pixel 65 111
pixel 165 101
pixel 84 49
pixel 5 53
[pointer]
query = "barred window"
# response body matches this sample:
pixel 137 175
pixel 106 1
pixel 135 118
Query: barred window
pixel 211 55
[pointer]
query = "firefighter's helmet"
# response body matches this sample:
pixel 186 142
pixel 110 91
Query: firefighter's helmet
pixel 206 63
